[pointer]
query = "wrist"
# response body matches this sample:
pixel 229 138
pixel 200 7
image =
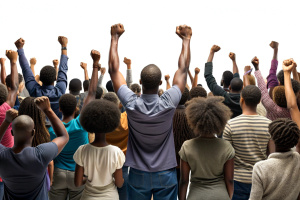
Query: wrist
pixel 129 66
pixel 115 37
pixel 47 111
pixel 6 121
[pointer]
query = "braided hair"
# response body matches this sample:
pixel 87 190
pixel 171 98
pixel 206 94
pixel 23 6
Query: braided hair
pixel 28 107
pixel 284 132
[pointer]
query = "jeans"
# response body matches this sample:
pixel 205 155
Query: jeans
pixel 1 190
pixel 163 185
pixel 241 191
pixel 123 190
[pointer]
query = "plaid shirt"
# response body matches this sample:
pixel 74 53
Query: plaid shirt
pixel 273 110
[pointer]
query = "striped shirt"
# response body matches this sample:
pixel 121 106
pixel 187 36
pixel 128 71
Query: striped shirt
pixel 249 136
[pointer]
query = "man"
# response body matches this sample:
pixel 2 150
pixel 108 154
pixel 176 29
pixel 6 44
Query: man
pixel 151 152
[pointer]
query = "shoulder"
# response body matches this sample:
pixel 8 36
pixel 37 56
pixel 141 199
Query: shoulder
pixel 5 107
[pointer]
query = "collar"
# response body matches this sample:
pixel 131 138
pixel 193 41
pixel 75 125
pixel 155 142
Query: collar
pixel 49 87
pixel 281 155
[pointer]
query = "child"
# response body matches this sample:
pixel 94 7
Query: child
pixel 209 158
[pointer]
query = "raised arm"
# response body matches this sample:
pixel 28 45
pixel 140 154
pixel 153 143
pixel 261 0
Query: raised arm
pixel 185 33
pixel 55 64
pixel 94 80
pixel 102 70
pixel 11 114
pixel 295 74
pixel 197 71
pixel 235 69
pixel 213 50
pixel 272 78
pixel 62 79
pixel 62 138
pixel 32 64
pixel 3 70
pixel 128 72
pixel 168 85
pixel 84 67
pixel 115 75
pixel 248 71
pixel 288 66
pixel 12 93
pixel 191 77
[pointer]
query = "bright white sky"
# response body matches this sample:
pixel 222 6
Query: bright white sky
pixel 245 28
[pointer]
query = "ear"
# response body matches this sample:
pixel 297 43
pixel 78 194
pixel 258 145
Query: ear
pixel 242 100
pixel 12 133
pixel 59 109
pixel 140 82
pixel 229 87
pixel 33 132
pixel 222 82
pixel 160 83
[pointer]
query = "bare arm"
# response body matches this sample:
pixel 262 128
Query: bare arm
pixel 32 64
pixel 295 74
pixel 246 80
pixel 12 93
pixel 51 171
pixel 118 175
pixel 84 67
pixel 235 69
pixel 191 77
pixel 79 179
pixel 184 179
pixel 3 70
pixel 55 64
pixel 167 77
pixel 228 176
pixel 197 71
pixel 11 114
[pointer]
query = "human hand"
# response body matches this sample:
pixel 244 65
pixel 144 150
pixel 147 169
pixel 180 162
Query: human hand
pixel 95 56
pixel 32 61
pixel 167 77
pixel 127 61
pixel 2 61
pixel 11 114
pixel 20 43
pixel 288 65
pixel 232 56
pixel 55 63
pixel 63 41
pixel 184 31
pixel 42 103
pixel 12 55
pixel 215 48
pixel 117 30
pixel 103 70
pixel 83 65
pixel 197 70
pixel 255 63
pixel 274 45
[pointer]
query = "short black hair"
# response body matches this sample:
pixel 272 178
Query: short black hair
pixel 109 86
pixel 198 92
pixel 252 95
pixel 227 77
pixel 280 77
pixel 279 96
pixel 112 97
pixel 100 116
pixel 99 92
pixel 199 85
pixel 8 79
pixel 47 75
pixel 67 104
pixel 236 84
pixel 3 93
pixel 75 85
pixel 136 88
pixel 295 86
pixel 151 77
pixel 185 96
pixel 86 85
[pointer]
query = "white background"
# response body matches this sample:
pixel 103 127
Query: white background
pixel 245 28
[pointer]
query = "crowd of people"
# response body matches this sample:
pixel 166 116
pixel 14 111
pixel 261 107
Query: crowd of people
pixel 136 141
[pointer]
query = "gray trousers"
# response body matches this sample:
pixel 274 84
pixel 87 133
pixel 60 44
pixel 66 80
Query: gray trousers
pixel 63 186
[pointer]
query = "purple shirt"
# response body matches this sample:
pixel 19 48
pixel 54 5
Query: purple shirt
pixel 272 78
pixel 150 121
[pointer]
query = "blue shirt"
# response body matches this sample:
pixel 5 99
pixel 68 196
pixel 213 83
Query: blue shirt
pixel 52 92
pixel 150 121
pixel 77 137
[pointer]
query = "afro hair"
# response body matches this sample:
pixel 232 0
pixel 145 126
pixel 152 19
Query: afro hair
pixel 75 85
pixel 207 116
pixel 67 104
pixel 136 88
pixel 47 75
pixel 285 133
pixel 151 77
pixel 280 77
pixel 100 116
pixel 279 96
pixel 3 93
pixel 8 80
pixel 236 84
pixel 112 97
pixel 99 92
pixel 185 96
pixel 227 77
pixel 109 86
pixel 198 92
pixel 86 85
pixel 252 95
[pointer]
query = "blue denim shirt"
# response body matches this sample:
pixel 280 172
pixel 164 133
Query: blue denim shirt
pixel 52 92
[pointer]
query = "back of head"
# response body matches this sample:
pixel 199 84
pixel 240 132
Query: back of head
pixel 112 97
pixel 207 116
pixel 99 92
pixel 3 93
pixel 23 128
pixel 151 77
pixel 185 97
pixel 280 77
pixel 28 107
pixel 136 88
pixel 227 77
pixel 279 96
pixel 198 92
pixel 86 85
pixel 75 85
pixel 67 104
pixel 236 84
pixel 252 95
pixel 109 86
pixel 285 133
pixel 48 75
pixel 295 86
pixel 100 116
pixel 8 80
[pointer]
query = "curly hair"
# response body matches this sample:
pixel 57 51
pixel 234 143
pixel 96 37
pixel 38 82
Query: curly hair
pixel 280 77
pixel 86 85
pixel 185 97
pixel 47 75
pixel 252 95
pixel 279 96
pixel 207 116
pixel 100 116
pixel 284 132
pixel 112 97
pixel 67 104
pixel 295 86
pixel 227 77
pixel 151 77
pixel 198 92
pixel 99 92
pixel 75 85
pixel 28 107
pixel 3 93
pixel 136 88
pixel 8 80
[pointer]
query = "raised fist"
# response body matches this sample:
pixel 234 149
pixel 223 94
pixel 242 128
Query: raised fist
pixel 117 29
pixel 215 48
pixel 55 62
pixel 255 63
pixel 289 65
pixel 63 41
pixel 42 103
pixel 103 70
pixel 12 55
pixel 95 56
pixel 83 65
pixel 11 114
pixel 32 61
pixel 167 77
pixel 127 61
pixel 197 70
pixel 274 45
pixel 184 31
pixel 2 61
pixel 232 56
pixel 20 43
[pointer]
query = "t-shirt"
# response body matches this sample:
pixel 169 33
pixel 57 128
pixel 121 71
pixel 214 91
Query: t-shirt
pixel 249 136
pixel 77 137
pixel 99 163
pixel 24 173
pixel 150 117
pixel 8 139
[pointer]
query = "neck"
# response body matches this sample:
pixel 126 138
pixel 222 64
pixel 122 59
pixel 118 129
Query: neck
pixel 280 149
pixel 18 147
pixel 75 93
pixel 249 111
pixel 235 92
pixel 67 119
pixel 100 140
pixel 150 91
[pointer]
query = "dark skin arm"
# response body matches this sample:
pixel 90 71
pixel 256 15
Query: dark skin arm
pixel 184 179
pixel 64 42
pixel 185 33
pixel 84 67
pixel 191 77
pixel 12 93
pixel 167 77
pixel 3 70
pixel 55 64
pixel 51 171
pixel 197 71
pixel 213 50
pixel 118 175
pixel 228 176
pixel 271 147
pixel 32 64
pixel 235 69
pixel 79 179
pixel 11 114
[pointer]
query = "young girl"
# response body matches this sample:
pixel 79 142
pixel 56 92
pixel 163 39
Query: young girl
pixel 209 158
pixel 98 164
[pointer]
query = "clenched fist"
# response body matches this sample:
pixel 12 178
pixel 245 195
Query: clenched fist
pixel 232 56
pixel 32 61
pixel 2 61
pixel 103 70
pixel 215 48
pixel 167 77
pixel 274 45
pixel 20 43
pixel 127 61
pixel 12 55
pixel 184 31
pixel 63 41
pixel 55 62
pixel 95 56
pixel 197 70
pixel 117 29
pixel 255 63
pixel 42 103
pixel 83 65
pixel 11 114
pixel 289 65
